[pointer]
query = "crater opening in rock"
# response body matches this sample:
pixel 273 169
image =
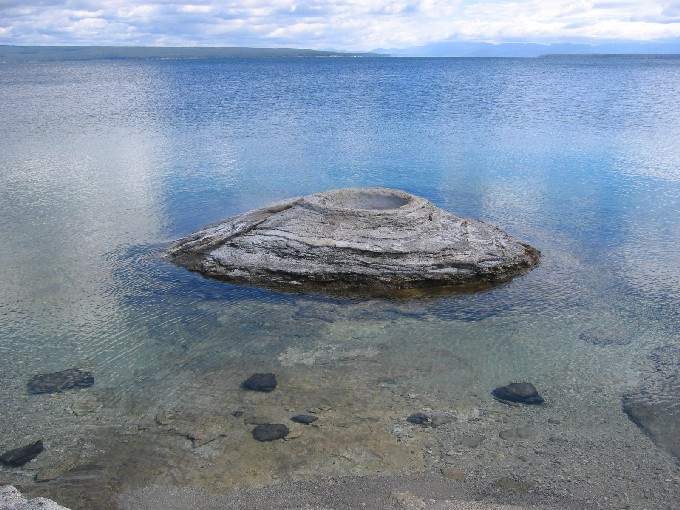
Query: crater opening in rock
pixel 367 200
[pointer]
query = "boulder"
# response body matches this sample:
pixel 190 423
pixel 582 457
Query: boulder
pixel 419 419
pixel 20 456
pixel 260 382
pixel 521 393
pixel 305 419
pixel 55 382
pixel 351 239
pixel 270 432
pixel 654 405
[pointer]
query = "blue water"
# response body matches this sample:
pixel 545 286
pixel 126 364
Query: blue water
pixel 103 163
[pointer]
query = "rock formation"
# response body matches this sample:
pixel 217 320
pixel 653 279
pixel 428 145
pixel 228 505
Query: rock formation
pixel 11 499
pixel 352 239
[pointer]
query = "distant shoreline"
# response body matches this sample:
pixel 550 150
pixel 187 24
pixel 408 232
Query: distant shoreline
pixel 53 53
pixel 28 53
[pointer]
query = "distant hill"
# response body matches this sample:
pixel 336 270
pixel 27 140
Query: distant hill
pixel 481 49
pixel 52 53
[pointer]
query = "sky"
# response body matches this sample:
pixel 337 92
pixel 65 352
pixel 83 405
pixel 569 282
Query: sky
pixel 353 25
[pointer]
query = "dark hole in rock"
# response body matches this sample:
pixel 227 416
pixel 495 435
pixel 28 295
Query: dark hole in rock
pixel 368 200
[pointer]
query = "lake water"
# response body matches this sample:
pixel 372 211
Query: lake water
pixel 103 163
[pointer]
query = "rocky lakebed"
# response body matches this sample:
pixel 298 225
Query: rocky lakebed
pixel 383 396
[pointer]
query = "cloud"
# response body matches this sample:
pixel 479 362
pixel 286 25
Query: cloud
pixel 338 24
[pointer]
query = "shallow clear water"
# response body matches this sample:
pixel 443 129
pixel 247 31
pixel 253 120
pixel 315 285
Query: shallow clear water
pixel 102 163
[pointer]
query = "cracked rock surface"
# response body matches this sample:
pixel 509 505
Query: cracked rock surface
pixel 354 238
pixel 11 499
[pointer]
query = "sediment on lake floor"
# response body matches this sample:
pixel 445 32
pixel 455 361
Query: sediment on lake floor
pixel 363 238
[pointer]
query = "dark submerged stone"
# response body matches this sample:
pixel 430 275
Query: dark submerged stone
pixel 270 432
pixel 305 419
pixel 522 393
pixel 260 382
pixel 418 419
pixel 55 382
pixel 20 456
pixel 604 338
pixel 655 405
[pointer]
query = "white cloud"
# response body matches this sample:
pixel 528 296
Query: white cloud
pixel 341 24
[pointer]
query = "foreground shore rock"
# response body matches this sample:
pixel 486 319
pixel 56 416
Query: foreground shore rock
pixel 11 499
pixel 348 238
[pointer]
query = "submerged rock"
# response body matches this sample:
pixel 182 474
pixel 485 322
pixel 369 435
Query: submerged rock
pixel 522 393
pixel 419 419
pixel 55 382
pixel 11 499
pixel 270 432
pixel 351 239
pixel 305 419
pixel 260 382
pixel 20 456
pixel 655 405
pixel 605 338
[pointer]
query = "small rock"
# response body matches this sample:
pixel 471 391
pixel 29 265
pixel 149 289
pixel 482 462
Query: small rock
pixel 518 433
pixel 270 432
pixel 602 338
pixel 418 419
pixel 260 382
pixel 305 419
pixel 453 474
pixel 20 456
pixel 553 421
pixel 523 393
pixel 55 382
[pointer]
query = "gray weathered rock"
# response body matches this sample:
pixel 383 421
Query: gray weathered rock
pixel 354 238
pixel 11 499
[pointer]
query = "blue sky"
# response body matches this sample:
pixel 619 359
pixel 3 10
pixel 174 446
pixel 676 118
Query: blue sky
pixel 334 24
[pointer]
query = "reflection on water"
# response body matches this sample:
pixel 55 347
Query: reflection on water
pixel 103 163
